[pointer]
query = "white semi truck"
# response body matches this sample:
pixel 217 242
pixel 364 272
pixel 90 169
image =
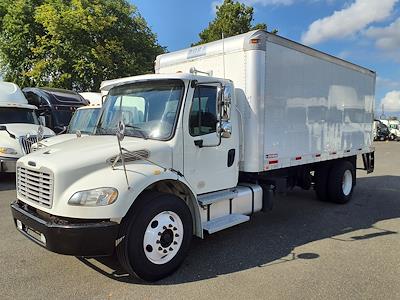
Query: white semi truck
pixel 19 126
pixel 178 154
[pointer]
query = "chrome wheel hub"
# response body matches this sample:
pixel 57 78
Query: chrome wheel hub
pixel 347 182
pixel 163 237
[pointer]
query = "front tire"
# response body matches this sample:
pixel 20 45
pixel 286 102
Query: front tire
pixel 155 237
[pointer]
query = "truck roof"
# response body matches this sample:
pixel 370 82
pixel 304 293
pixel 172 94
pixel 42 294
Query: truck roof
pixel 245 42
pixel 11 93
pixel 108 84
pixel 58 96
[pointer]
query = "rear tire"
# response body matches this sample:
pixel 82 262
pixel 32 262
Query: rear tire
pixel 341 182
pixel 155 236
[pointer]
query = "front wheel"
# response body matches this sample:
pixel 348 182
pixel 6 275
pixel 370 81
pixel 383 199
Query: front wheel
pixel 155 238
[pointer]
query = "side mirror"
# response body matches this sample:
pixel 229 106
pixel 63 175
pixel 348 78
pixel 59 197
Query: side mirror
pixel 2 127
pixel 225 129
pixel 224 111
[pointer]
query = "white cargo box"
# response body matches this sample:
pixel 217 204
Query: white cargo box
pixel 299 105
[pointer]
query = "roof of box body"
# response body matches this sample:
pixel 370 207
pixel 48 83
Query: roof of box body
pixel 252 40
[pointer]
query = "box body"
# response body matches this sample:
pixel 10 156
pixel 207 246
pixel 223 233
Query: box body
pixel 298 105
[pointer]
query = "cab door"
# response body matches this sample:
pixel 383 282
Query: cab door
pixel 210 162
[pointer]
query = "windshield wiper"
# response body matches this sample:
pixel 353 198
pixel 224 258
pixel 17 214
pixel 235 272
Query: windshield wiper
pixel 138 129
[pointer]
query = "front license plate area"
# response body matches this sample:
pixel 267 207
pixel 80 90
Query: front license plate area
pixel 32 233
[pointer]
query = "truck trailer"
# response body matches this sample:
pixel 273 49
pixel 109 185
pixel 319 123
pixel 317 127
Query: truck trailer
pixel 199 147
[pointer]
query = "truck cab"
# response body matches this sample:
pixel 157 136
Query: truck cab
pixel 176 129
pixel 55 106
pixel 394 129
pixel 19 126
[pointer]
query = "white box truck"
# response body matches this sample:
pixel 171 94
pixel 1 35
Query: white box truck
pixel 19 126
pixel 178 154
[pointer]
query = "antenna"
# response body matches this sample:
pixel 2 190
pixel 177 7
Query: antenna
pixel 223 53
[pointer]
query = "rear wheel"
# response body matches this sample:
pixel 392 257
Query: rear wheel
pixel 392 137
pixel 341 182
pixel 156 237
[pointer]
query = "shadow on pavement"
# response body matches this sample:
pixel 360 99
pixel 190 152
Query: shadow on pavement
pixel 270 238
pixel 7 181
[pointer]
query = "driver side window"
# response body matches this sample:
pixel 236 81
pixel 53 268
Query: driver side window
pixel 203 113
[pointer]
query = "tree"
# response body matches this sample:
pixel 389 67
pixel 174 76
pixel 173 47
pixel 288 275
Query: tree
pixel 232 18
pixel 73 44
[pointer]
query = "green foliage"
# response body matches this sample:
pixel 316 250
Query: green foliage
pixel 73 44
pixel 232 18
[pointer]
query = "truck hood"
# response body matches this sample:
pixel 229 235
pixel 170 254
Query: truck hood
pixel 22 129
pixel 90 153
pixel 58 139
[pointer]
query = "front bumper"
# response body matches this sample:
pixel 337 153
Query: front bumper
pixel 67 236
pixel 8 165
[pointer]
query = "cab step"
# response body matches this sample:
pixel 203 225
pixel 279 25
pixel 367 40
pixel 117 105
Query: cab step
pixel 224 222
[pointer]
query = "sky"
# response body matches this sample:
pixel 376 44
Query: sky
pixel 365 32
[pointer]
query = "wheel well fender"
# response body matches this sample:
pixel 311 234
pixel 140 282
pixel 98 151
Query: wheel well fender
pixel 180 189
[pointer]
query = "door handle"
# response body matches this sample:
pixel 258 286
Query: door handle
pixel 199 143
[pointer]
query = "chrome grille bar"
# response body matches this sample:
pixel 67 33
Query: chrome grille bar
pixel 27 142
pixel 36 186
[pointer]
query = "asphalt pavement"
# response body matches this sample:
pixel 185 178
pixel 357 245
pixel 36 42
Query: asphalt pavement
pixel 302 249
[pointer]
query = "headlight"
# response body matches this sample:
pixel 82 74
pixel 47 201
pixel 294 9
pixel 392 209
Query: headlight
pixel 95 197
pixel 5 150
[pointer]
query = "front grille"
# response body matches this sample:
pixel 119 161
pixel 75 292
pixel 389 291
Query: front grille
pixel 35 186
pixel 27 142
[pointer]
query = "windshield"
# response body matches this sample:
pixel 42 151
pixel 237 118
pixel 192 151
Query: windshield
pixel 17 115
pixel 63 117
pixel 84 120
pixel 148 109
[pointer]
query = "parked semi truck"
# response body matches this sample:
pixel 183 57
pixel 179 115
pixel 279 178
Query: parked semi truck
pixel 83 122
pixel 19 126
pixel 55 106
pixel 182 153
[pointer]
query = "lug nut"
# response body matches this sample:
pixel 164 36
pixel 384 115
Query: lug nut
pixel 164 227
pixel 157 242
pixel 176 235
pixel 174 228
pixel 165 251
pixel 170 225
pixel 170 249
pixel 159 233
pixel 159 248
pixel 175 243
